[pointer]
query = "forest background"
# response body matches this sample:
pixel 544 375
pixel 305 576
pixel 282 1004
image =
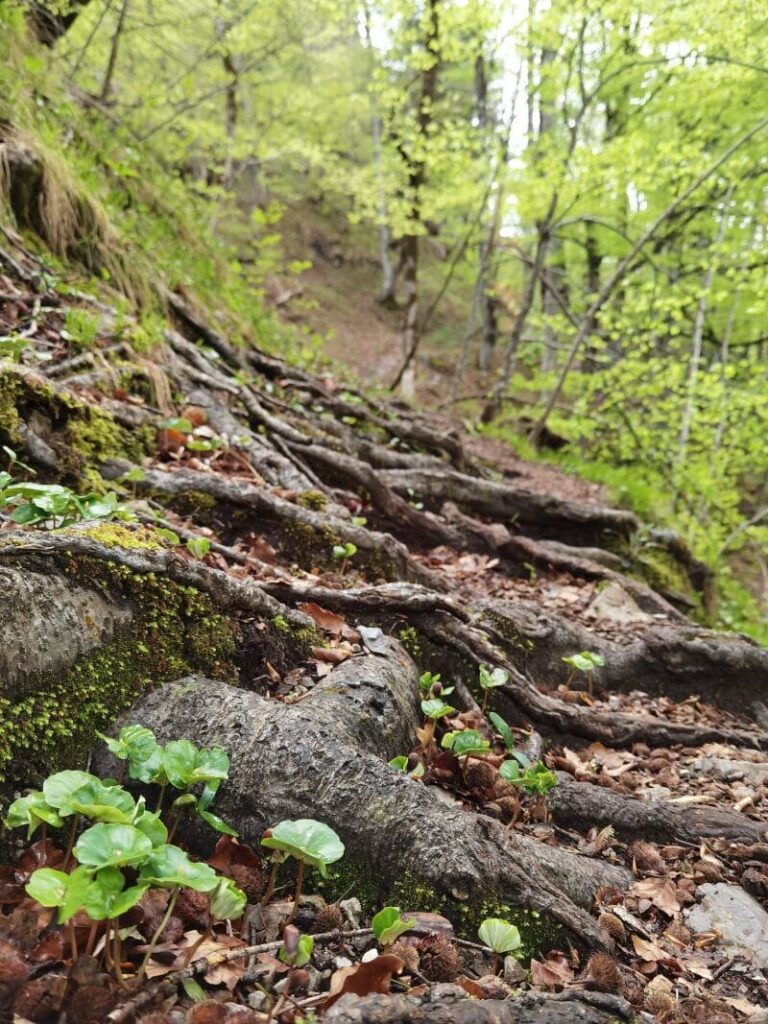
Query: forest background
pixel 549 217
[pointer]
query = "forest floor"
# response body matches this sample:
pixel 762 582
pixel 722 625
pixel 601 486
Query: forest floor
pixel 352 546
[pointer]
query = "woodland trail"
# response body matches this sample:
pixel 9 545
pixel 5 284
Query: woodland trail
pixel 353 545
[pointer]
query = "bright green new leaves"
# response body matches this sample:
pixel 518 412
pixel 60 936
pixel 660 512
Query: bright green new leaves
pixel 53 888
pixel 436 708
pixel 490 680
pixel 58 506
pixel 169 866
pixel 536 779
pixel 32 810
pixel 107 897
pixel 501 727
pixel 388 925
pixel 296 949
pixel 307 840
pixel 585 661
pixel 58 788
pixel 152 826
pixel 138 746
pixel 465 742
pixel 227 901
pixel 499 935
pixel 185 764
pixel 103 803
pixel 108 845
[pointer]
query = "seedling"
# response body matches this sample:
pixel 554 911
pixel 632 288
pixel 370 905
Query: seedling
pixel 434 709
pixel 430 685
pixel 55 506
pixel 506 733
pixel 500 937
pixel 198 546
pixel 342 553
pixel 490 680
pixel 309 842
pixel 536 779
pixel 388 925
pixel 123 835
pixel 466 743
pixel 296 949
pixel 586 662
pixel 403 764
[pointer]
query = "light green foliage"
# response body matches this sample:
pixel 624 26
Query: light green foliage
pixel 534 778
pixel 499 936
pixel 466 743
pixel 55 506
pixel 436 708
pixel 296 950
pixel 307 840
pixel 81 328
pixel 388 925
pixel 585 661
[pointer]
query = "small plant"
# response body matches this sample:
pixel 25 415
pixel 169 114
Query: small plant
pixel 586 662
pixel 430 685
pixel 535 779
pixel 500 937
pixel 198 546
pixel 81 328
pixel 403 763
pixel 504 730
pixel 490 680
pixel 388 925
pixel 466 743
pixel 433 709
pixel 55 506
pixel 126 849
pixel 296 949
pixel 342 553
pixel 309 842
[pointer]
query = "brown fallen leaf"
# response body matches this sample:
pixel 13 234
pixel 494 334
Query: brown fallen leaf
pixel 648 950
pixel 329 621
pixel 661 892
pixel 365 978
pixel 553 973
pixel 333 655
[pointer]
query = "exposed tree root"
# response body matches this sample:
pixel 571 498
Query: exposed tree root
pixel 328 753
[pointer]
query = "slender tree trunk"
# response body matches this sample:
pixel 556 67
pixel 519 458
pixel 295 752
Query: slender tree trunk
pixel 106 85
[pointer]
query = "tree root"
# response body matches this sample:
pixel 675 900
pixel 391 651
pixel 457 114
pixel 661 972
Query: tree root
pixel 326 756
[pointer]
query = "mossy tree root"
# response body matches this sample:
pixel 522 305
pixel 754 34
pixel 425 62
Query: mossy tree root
pixel 325 757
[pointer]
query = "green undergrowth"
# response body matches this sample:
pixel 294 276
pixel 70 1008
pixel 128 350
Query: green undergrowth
pixel 175 630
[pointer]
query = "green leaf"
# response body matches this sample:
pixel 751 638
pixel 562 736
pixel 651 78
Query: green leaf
pixel 32 810
pixel 303 953
pixel 469 741
pixel 169 866
pixel 308 840
pixel 216 822
pixel 152 826
pixel 399 763
pixel 510 772
pixel 227 901
pixel 503 730
pixel 53 888
pixel 109 845
pixel 436 708
pixel 107 896
pixel 198 546
pixel 103 803
pixel 179 757
pixel 585 661
pixel 499 935
pixel 388 925
pixel 490 680
pixel 59 788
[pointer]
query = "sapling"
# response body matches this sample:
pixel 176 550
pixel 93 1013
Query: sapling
pixel 490 680
pixel 536 779
pixel 586 662
pixel 500 937
pixel 434 709
pixel 309 842
pixel 388 925
pixel 342 553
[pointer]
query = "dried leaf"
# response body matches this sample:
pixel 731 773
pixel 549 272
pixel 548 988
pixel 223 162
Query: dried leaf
pixel 660 891
pixel 553 973
pixel 365 978
pixel 329 621
pixel 649 950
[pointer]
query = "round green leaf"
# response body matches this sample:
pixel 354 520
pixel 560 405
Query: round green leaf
pixel 109 845
pixel 152 826
pixel 58 788
pixel 169 866
pixel 107 896
pixel 499 935
pixel 32 811
pixel 388 925
pixel 48 886
pixel 308 840
pixel 103 803
pixel 227 901
pixel 436 708
pixel 179 757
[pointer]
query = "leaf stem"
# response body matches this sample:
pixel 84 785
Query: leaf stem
pixel 299 883
pixel 160 929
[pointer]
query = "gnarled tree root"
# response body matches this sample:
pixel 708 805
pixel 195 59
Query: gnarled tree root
pixel 324 757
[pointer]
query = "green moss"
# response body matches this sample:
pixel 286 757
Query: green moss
pixel 314 500
pixel 175 631
pixel 82 435
pixel 115 535
pixel 196 504
pixel 660 570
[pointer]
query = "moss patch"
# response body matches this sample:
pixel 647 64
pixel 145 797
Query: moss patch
pixel 176 630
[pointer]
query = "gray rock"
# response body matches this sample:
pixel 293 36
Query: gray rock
pixel 352 911
pixel 613 604
pixel 740 920
pixel 754 773
pixel 513 971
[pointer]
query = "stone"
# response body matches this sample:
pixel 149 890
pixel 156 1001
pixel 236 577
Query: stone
pixel 751 772
pixel 613 604
pixel 740 920
pixel 352 911
pixel 513 971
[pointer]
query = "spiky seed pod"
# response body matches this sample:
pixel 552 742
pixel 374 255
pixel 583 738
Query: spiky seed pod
pixel 407 953
pixel 711 872
pixel 438 958
pixel 510 807
pixel 250 879
pixel 154 1018
pixel 755 882
pixel 209 1012
pixel 479 776
pixel 607 895
pixel 677 930
pixel 193 908
pixel 603 973
pixel 657 1002
pixel 646 857
pixel 614 926
pixel 328 919
pixel 91 1004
